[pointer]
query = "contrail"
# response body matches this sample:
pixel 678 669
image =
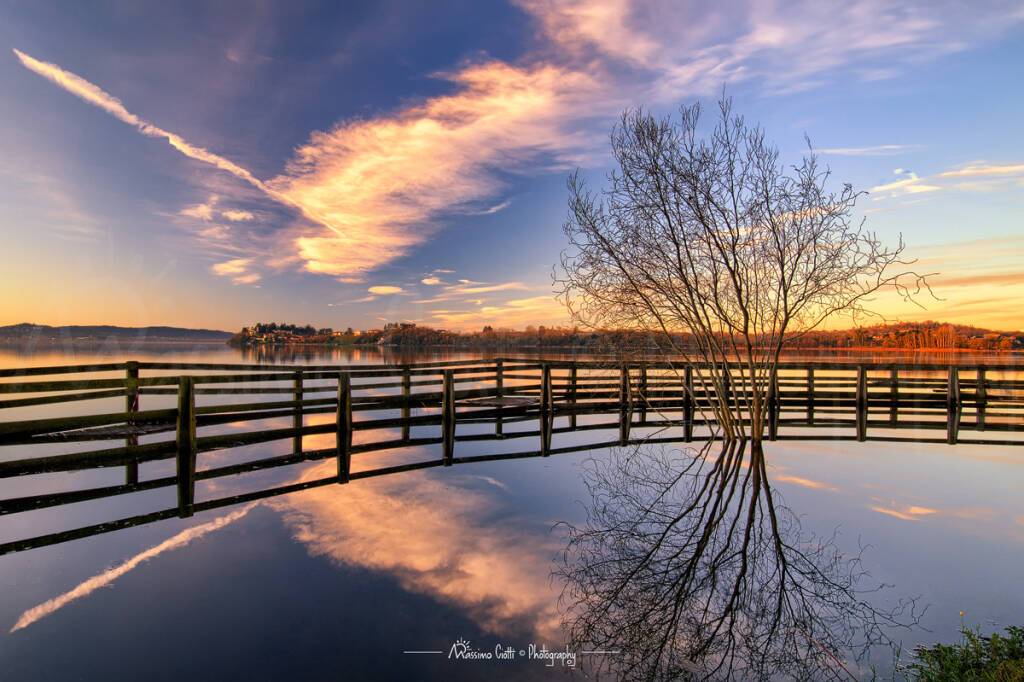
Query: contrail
pixel 107 577
pixel 82 88
pixel 96 96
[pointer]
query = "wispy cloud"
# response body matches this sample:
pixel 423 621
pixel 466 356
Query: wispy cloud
pixel 94 95
pixel 978 177
pixel 237 270
pixel 515 313
pixel 103 579
pixel 909 183
pixel 878 150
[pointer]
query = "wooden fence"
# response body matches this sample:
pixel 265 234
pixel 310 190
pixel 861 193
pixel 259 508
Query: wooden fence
pixel 807 401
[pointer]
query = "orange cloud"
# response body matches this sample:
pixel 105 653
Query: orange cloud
pixel 515 313
pixel 384 290
pixel 381 183
pixel 237 270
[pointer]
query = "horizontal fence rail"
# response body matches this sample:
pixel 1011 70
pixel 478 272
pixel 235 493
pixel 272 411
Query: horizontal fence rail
pixel 197 414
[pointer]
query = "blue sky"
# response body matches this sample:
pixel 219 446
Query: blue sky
pixel 215 164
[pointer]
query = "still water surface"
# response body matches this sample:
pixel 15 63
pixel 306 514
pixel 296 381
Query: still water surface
pixel 339 582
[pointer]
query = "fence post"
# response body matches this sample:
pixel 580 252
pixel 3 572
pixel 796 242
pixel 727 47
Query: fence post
pixel 688 404
pixel 448 418
pixel 499 391
pixel 545 388
pixel 862 403
pixel 773 405
pixel 131 406
pixel 625 405
pixel 186 446
pixel 894 395
pixel 810 396
pixel 343 435
pixel 406 392
pixel 643 393
pixel 297 414
pixel 953 405
pixel 572 395
pixel 980 399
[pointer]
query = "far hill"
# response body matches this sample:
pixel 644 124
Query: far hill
pixel 102 332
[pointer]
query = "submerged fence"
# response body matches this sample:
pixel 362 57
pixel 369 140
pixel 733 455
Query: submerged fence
pixel 806 401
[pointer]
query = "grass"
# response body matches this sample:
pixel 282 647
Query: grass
pixel 976 658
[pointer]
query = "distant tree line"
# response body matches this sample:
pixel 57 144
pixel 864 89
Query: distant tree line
pixel 904 336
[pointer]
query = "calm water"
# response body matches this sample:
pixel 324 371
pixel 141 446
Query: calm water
pixel 339 582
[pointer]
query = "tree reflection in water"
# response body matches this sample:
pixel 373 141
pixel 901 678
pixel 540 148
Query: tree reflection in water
pixel 691 567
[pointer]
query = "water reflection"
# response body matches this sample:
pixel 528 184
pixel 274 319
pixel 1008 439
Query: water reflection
pixel 438 538
pixel 690 566
pixel 107 577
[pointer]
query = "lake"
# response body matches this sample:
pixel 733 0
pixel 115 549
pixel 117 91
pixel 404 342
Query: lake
pixel 386 577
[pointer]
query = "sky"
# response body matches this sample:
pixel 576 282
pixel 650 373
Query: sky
pixel 347 164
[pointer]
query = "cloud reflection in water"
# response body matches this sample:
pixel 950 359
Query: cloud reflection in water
pixel 438 538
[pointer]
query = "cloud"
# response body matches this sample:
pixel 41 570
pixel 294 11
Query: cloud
pixel 463 289
pixel 430 281
pixel 237 270
pixel 384 182
pixel 497 207
pixel 985 169
pixel 372 190
pixel 911 184
pixel 879 150
pixel 384 290
pixel 976 177
pixel 514 313
pixel 238 216
pixel 200 211
pixel 103 579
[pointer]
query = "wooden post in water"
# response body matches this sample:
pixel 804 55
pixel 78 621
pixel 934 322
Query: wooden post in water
pixel 980 399
pixel 343 428
pixel 894 395
pixel 572 395
pixel 499 391
pixel 953 405
pixel 773 406
pixel 448 418
pixel 625 405
pixel 297 414
pixel 688 404
pixel 406 392
pixel 545 388
pixel 810 396
pixel 643 393
pixel 862 403
pixel 131 406
pixel 185 438
pixel 547 410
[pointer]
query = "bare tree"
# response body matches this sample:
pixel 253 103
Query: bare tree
pixel 716 238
